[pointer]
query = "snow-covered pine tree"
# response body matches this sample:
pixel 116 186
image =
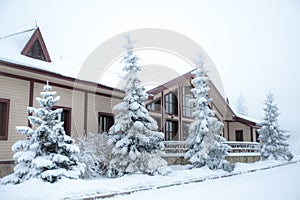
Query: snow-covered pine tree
pixel 241 107
pixel 271 135
pixel 137 143
pixel 47 153
pixel 206 146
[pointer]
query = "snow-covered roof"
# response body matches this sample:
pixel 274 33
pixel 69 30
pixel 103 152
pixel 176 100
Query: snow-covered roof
pixel 246 118
pixel 11 46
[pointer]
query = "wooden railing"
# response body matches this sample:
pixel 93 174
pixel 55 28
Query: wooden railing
pixel 180 147
pixel 175 147
pixel 244 147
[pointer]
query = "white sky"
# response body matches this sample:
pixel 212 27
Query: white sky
pixel 255 44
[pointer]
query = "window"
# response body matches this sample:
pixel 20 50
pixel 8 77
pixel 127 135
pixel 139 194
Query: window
pixel 187 106
pixel 106 121
pixel 171 103
pixel 65 117
pixel 171 130
pixel 185 130
pixel 36 51
pixel 239 135
pixel 4 118
pixel 155 106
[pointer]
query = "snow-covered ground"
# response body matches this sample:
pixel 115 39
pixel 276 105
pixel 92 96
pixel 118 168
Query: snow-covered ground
pixel 280 183
pixel 275 183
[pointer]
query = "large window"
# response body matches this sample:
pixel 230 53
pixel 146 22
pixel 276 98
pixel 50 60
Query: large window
pixel 187 106
pixel 171 103
pixel 239 135
pixel 185 130
pixel 106 121
pixel 171 131
pixel 4 118
pixel 154 106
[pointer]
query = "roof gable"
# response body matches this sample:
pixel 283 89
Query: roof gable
pixel 36 48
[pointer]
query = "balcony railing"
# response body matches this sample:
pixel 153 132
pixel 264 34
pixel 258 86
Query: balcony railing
pixel 175 147
pixel 180 147
pixel 244 147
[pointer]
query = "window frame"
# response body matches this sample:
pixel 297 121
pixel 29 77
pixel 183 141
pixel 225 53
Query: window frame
pixel 173 104
pixel 190 106
pixel 101 114
pixel 67 126
pixel 36 51
pixel 155 105
pixel 175 136
pixel 239 135
pixel 6 118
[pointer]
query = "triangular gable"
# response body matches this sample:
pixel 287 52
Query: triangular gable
pixel 36 48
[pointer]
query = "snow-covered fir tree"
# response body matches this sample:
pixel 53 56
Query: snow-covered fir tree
pixel 95 153
pixel 206 145
pixel 137 143
pixel 241 107
pixel 271 135
pixel 47 153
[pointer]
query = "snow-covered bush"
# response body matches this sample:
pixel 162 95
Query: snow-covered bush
pixel 271 135
pixel 136 142
pixel 206 146
pixel 47 153
pixel 95 154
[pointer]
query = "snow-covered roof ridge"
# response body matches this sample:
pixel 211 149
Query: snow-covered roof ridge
pixel 12 45
pixel 246 118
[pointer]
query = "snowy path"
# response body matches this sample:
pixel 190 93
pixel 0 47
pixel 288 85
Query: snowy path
pixel 105 187
pixel 280 183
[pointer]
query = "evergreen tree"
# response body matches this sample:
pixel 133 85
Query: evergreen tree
pixel 206 146
pixel 137 143
pixel 241 107
pixel 47 153
pixel 272 137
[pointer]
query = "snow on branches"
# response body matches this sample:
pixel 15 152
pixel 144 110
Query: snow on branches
pixel 206 146
pixel 95 153
pixel 136 142
pixel 271 135
pixel 47 153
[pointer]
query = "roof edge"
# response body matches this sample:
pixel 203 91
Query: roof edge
pixel 55 75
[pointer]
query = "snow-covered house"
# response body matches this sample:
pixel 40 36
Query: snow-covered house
pixel 26 65
pixel 170 106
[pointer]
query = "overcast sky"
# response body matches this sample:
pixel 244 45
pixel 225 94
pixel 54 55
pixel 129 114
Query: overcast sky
pixel 254 44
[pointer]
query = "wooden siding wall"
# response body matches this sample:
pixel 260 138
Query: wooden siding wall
pixel 98 104
pixel 85 99
pixel 233 126
pixel 17 92
pixel 71 99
